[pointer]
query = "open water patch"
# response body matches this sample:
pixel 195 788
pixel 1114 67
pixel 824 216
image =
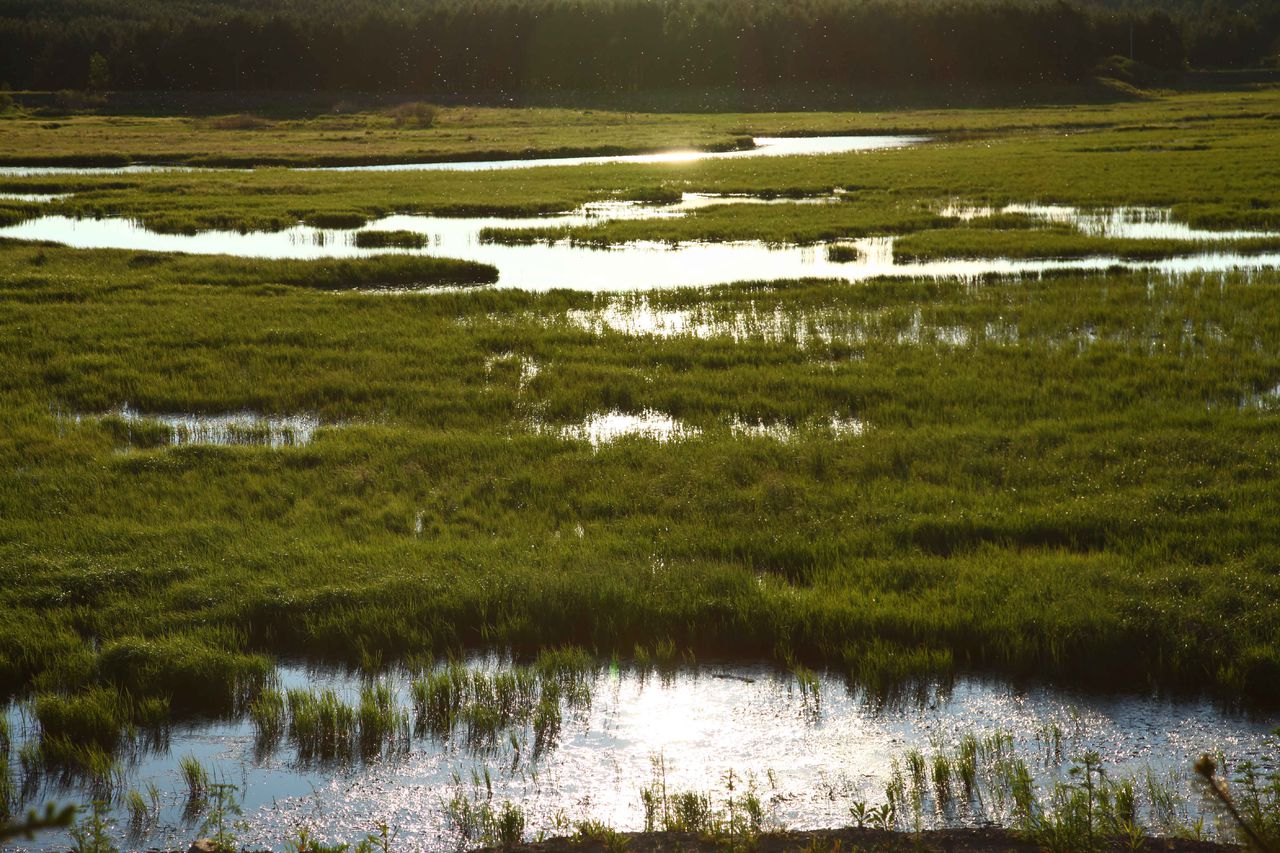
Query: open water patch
pixel 810 747
pixel 145 429
pixel 1112 223
pixel 602 428
pixel 635 266
pixel 762 146
pixel 35 198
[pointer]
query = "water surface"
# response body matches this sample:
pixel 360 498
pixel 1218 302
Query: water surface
pixel 765 146
pixel 809 754
pixel 640 265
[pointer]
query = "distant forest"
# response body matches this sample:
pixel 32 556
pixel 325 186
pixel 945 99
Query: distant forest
pixel 462 46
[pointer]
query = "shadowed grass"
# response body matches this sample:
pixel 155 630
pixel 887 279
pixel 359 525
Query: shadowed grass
pixel 984 243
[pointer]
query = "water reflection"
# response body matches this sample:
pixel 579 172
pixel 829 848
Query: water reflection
pixel 810 751
pixel 631 266
pixel 765 146
pixel 1116 223
pixel 235 428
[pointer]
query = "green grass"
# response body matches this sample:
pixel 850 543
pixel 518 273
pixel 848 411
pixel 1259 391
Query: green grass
pixel 390 239
pixel 1068 477
pixel 195 776
pixel 1077 481
pixel 1092 155
pixel 1057 243
pixel 321 274
pixel 487 706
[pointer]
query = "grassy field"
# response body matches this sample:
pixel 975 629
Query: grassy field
pixel 1213 160
pixel 1070 477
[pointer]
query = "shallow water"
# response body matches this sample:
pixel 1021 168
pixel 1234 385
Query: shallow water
pixel 604 427
pixel 233 428
pixel 1117 223
pixel 35 198
pixel 632 266
pixel 809 757
pixel 766 146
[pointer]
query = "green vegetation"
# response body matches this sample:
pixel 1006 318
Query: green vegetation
pixel 489 706
pixel 1068 477
pixel 1057 243
pixel 140 269
pixel 390 239
pixel 1056 473
pixel 1160 151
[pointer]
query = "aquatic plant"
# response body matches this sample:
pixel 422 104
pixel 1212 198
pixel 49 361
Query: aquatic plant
pixel 321 725
pixel 98 716
pixel 736 821
pixel 379 721
pixel 390 239
pixel 268 712
pixel 144 809
pixel 194 776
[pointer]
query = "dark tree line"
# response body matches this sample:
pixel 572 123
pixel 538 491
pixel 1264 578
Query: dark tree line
pixel 462 46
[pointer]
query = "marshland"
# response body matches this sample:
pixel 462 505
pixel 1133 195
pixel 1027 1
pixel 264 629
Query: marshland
pixel 849 460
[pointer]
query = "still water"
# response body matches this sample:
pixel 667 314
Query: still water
pixel 808 754
pixel 651 265
pixel 765 146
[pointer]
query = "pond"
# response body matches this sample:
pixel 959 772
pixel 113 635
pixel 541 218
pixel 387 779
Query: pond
pixel 807 744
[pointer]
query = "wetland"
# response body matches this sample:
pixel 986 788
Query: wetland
pixel 806 485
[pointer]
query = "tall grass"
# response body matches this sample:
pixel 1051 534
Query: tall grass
pixel 195 776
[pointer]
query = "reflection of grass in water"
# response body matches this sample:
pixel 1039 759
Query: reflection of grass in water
pixel 487 705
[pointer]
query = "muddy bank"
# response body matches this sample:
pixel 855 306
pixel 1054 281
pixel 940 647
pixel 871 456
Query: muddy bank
pixel 848 840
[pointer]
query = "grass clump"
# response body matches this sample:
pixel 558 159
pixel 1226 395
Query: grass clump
pixel 343 219
pixel 390 240
pixel 99 717
pixel 736 821
pixel 1057 243
pixel 322 274
pixel 842 254
pixel 487 705
pixel 321 725
pixel 194 775
pixel 269 714
pixel 193 676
